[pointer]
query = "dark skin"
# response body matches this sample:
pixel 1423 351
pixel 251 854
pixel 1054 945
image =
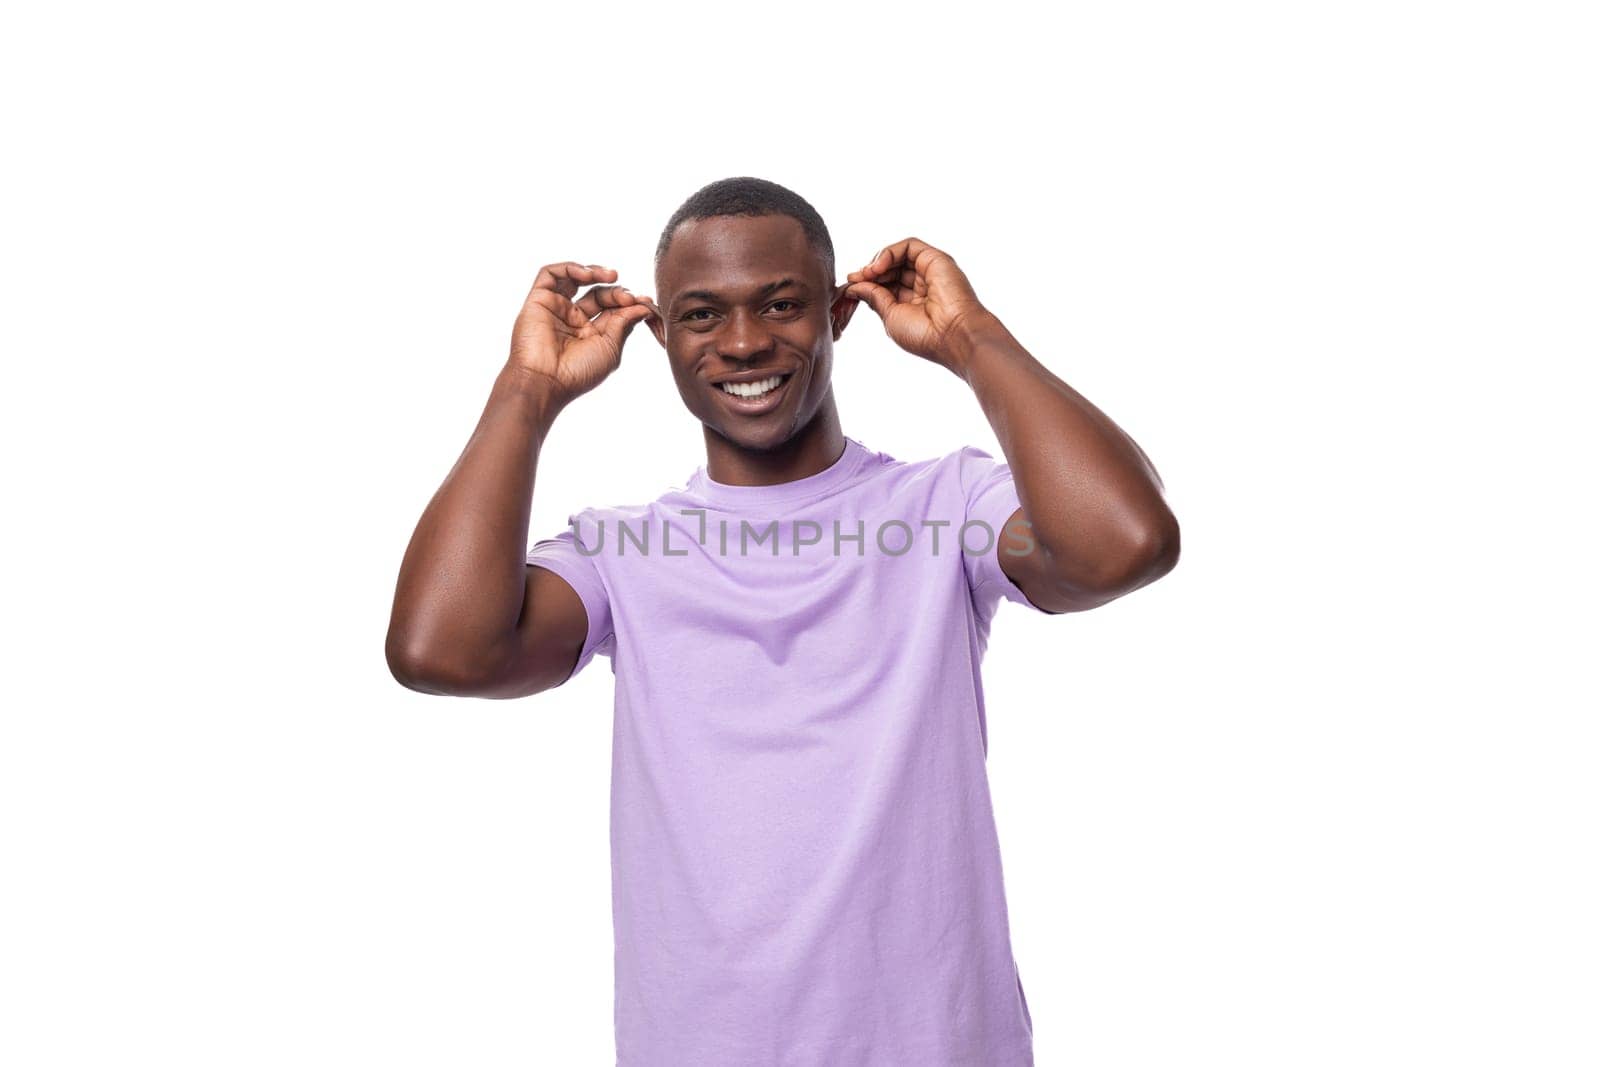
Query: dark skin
pixel 1091 499
pixel 750 298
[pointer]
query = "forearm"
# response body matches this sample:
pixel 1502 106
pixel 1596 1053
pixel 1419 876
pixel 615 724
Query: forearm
pixel 462 581
pixel 1092 495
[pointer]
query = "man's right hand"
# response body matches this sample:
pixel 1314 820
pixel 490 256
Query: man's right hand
pixel 471 616
pixel 575 344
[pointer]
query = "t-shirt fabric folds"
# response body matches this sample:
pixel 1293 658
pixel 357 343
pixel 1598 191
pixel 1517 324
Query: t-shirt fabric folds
pixel 805 866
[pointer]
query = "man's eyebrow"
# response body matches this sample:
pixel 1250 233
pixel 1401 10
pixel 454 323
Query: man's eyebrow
pixel 716 298
pixel 768 290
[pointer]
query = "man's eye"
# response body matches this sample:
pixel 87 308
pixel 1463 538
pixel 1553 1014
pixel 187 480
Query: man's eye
pixel 692 316
pixel 782 305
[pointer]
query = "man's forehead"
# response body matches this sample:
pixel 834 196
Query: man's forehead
pixel 737 253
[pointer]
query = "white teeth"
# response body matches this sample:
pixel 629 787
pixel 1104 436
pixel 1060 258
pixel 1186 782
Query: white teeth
pixel 753 389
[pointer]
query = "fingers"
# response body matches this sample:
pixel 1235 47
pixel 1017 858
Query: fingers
pixel 879 299
pixel 906 283
pixel 557 284
pixel 602 297
pixel 892 287
pixel 558 306
pixel 910 254
pixel 566 278
pixel 616 323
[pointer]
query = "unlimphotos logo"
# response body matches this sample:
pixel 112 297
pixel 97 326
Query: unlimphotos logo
pixel 893 537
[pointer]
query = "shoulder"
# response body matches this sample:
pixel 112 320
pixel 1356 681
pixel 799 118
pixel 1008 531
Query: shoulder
pixel 964 469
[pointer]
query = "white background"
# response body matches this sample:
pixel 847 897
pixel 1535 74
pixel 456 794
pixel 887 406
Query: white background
pixel 1324 795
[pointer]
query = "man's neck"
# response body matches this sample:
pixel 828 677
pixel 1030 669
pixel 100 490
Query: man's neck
pixel 818 446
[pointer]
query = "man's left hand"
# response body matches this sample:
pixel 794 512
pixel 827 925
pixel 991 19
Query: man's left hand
pixel 923 298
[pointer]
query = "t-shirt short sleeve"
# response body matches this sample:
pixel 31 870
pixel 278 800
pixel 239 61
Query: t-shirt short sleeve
pixel 570 557
pixel 991 496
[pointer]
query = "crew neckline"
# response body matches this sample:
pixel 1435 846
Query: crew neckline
pixel 716 492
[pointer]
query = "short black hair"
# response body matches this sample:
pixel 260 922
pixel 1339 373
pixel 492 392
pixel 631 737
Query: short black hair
pixel 751 196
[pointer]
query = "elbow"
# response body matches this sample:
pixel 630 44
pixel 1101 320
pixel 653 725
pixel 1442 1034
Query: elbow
pixel 432 667
pixel 1159 549
pixel 1147 554
pixel 415 666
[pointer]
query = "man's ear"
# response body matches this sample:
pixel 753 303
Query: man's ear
pixel 844 307
pixel 658 326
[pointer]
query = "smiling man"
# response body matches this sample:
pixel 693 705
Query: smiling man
pixel 806 869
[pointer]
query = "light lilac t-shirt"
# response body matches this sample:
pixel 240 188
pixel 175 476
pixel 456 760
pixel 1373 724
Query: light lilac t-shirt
pixel 805 868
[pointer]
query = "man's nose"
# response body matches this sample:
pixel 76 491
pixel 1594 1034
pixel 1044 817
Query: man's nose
pixel 744 336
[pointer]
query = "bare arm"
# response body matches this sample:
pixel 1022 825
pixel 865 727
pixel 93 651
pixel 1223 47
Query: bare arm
pixel 1092 502
pixel 470 617
pixel 1091 497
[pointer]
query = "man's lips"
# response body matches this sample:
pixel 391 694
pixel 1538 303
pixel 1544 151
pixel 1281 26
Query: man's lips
pixel 752 375
pixel 755 405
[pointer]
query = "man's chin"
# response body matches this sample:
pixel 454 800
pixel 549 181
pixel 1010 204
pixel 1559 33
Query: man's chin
pixel 768 438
